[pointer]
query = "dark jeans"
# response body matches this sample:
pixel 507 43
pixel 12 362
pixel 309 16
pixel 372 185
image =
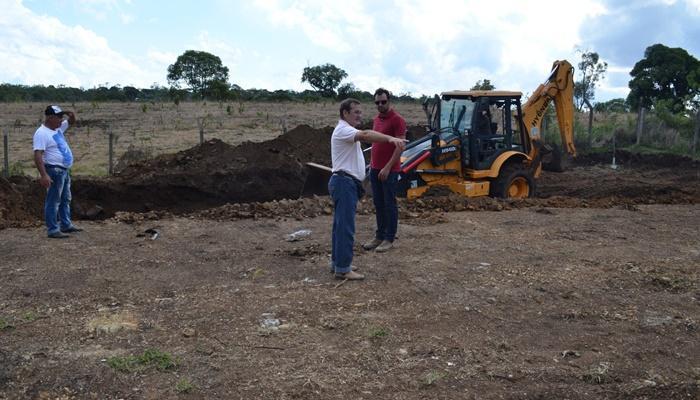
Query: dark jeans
pixel 345 193
pixel 384 197
pixel 58 197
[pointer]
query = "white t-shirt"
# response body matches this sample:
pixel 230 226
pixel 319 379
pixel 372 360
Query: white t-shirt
pixel 54 145
pixel 346 153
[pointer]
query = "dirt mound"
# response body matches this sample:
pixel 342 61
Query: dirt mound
pixel 209 175
pixel 21 202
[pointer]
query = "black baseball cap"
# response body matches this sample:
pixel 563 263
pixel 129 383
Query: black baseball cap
pixel 54 110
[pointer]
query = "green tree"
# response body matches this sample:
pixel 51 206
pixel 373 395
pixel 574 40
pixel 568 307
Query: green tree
pixel 131 93
pixel 197 69
pixel 483 85
pixel 618 105
pixel 218 90
pixel 324 78
pixel 664 73
pixel 591 70
pixel 346 90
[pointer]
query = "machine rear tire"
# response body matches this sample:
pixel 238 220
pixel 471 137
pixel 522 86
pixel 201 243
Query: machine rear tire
pixel 514 182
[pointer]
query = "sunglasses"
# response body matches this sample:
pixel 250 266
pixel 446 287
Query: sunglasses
pixel 382 102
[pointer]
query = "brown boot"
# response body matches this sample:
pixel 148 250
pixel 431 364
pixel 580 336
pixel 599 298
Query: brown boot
pixel 351 276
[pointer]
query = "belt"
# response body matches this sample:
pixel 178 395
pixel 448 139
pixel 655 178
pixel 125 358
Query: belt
pixel 340 172
pixel 343 173
pixel 55 166
pixel 358 183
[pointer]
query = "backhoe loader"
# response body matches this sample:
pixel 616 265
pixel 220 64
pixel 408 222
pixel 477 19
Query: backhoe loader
pixel 485 143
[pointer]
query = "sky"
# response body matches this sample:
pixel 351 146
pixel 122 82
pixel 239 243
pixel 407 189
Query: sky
pixel 407 46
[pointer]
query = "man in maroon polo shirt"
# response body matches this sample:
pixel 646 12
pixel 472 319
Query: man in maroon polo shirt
pixel 384 172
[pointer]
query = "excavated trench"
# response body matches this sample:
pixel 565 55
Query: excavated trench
pixel 220 181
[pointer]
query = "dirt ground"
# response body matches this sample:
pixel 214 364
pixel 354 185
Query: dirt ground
pixel 184 285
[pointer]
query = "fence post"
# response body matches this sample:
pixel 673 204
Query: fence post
pixel 590 122
pixel 614 145
pixel 111 150
pixel 6 152
pixel 200 124
pixel 640 124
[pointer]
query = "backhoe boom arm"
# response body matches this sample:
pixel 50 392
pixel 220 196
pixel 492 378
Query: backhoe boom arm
pixel 560 88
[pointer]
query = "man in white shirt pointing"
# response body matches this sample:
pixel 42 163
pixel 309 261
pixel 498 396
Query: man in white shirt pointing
pixel 345 185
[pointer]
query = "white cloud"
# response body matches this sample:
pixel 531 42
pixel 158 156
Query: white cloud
pixel 322 22
pixel 161 57
pixel 39 49
pixel 428 47
pixel 126 18
pixel 694 5
pixel 407 46
pixel 103 9
pixel 229 55
pixel 527 38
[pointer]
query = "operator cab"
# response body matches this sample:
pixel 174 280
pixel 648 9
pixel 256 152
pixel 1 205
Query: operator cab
pixel 484 121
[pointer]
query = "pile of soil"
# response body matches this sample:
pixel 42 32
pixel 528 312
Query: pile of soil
pixel 21 202
pixel 209 175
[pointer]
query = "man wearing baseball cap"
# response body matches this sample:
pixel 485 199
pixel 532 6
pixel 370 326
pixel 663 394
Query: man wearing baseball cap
pixel 53 158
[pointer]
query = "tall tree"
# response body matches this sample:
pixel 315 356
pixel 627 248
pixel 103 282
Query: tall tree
pixel 664 73
pixel 324 78
pixel 591 70
pixel 618 105
pixel 197 69
pixel 483 85
pixel 346 90
pixel 131 93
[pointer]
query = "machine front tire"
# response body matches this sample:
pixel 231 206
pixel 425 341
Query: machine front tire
pixel 513 182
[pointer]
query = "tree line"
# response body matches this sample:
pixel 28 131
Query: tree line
pixel 665 78
pixel 116 93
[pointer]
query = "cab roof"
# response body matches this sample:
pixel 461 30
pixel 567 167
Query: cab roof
pixel 481 93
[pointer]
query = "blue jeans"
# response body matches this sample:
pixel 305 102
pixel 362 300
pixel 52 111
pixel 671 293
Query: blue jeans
pixel 344 192
pixel 58 197
pixel 384 197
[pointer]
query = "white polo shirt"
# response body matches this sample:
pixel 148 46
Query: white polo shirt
pixel 346 153
pixel 54 145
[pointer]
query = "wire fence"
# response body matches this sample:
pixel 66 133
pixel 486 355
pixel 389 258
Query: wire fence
pixel 106 134
pixel 102 145
pixel 644 130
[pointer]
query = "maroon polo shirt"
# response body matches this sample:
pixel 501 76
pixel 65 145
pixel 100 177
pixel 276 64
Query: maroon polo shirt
pixel 391 124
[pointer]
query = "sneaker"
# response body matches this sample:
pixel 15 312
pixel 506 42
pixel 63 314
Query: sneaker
pixel 371 245
pixel 58 235
pixel 385 246
pixel 352 268
pixel 351 276
pixel 72 229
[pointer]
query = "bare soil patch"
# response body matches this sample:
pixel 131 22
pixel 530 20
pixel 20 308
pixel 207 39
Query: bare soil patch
pixel 530 303
pixel 184 286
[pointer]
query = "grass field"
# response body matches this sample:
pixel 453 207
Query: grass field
pixel 158 128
